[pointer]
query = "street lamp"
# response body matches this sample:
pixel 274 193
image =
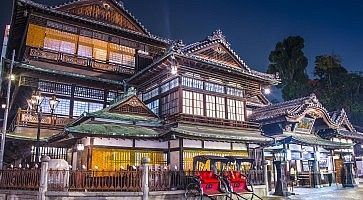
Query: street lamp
pixel 280 187
pixel 36 105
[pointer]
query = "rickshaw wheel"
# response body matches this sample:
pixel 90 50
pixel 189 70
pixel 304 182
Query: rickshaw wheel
pixel 249 186
pixel 192 192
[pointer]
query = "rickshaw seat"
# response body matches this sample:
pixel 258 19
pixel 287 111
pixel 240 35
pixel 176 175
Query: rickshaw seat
pixel 208 177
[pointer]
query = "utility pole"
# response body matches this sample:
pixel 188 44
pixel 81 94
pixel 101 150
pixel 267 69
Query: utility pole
pixel 6 114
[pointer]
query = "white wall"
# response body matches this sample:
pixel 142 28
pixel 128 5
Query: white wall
pixel 174 143
pixel 113 142
pixel 192 143
pixel 217 145
pixel 151 144
pixel 239 146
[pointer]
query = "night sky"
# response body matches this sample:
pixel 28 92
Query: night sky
pixel 252 27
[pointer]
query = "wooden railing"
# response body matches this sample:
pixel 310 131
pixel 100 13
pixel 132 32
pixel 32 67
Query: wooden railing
pixel 30 119
pixel 36 53
pixel 16 179
pixel 256 177
pixel 166 180
pixel 63 180
pixel 212 121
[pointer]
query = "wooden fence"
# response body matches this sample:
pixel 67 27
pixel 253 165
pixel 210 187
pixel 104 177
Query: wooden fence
pixel 24 179
pixel 112 181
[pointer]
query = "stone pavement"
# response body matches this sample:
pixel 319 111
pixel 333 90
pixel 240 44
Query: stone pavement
pixel 325 193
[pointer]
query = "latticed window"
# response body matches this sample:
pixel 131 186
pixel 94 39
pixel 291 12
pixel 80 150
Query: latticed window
pixel 215 106
pixel 220 107
pixel 191 82
pixel 84 51
pixel 100 50
pixel 234 92
pixel 235 110
pixel 115 159
pixel 52 152
pixel 210 105
pixel 192 103
pixel 154 106
pixel 122 55
pixel 89 93
pixel 169 104
pixel 81 106
pixel 214 87
pixel 169 85
pixel 61 109
pixel 152 93
pixel 61 41
pixel 57 88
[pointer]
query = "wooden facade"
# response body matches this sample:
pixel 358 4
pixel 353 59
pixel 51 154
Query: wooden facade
pixel 191 99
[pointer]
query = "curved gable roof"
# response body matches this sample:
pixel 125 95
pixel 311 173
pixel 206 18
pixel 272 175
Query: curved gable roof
pixel 295 110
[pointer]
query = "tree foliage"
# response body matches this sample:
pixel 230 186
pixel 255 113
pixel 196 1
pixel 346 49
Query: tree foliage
pixel 336 88
pixel 289 61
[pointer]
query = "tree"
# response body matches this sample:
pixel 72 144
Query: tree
pixel 289 61
pixel 328 67
pixel 336 88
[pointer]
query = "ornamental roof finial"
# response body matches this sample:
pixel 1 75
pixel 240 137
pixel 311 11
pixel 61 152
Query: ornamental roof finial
pixel 217 35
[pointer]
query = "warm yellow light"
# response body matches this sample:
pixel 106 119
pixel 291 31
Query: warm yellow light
pixel 12 77
pixel 267 91
pixel 174 69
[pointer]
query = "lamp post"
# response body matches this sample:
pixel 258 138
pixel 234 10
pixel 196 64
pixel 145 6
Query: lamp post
pixel 280 161
pixel 6 113
pixel 348 165
pixel 36 105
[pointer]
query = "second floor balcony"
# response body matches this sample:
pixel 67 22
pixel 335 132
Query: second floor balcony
pixel 75 60
pixel 25 124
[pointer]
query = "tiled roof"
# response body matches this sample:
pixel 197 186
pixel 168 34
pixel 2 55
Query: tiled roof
pixel 218 37
pixel 214 133
pixel 311 139
pixel 294 109
pixel 287 108
pixel 52 10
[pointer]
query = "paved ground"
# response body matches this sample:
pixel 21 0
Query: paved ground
pixel 326 193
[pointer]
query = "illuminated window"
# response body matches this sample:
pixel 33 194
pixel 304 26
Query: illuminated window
pixel 220 107
pixel 150 94
pixel 61 109
pixel 214 87
pixel 169 104
pixel 51 44
pixel 122 55
pixel 192 103
pixel 215 106
pixel 191 82
pixel 82 106
pixel 60 41
pixel 235 110
pixel 84 51
pixel 100 54
pixel 234 92
pixel 169 85
pixel 210 105
pixel 154 106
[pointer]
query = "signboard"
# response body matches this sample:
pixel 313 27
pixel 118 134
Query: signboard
pixel 305 125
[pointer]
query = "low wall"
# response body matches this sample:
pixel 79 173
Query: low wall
pixel 260 190
pixel 162 195
pixel 18 195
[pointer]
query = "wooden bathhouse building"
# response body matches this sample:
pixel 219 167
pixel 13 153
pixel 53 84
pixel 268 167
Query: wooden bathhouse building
pixel 190 99
pixel 314 140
